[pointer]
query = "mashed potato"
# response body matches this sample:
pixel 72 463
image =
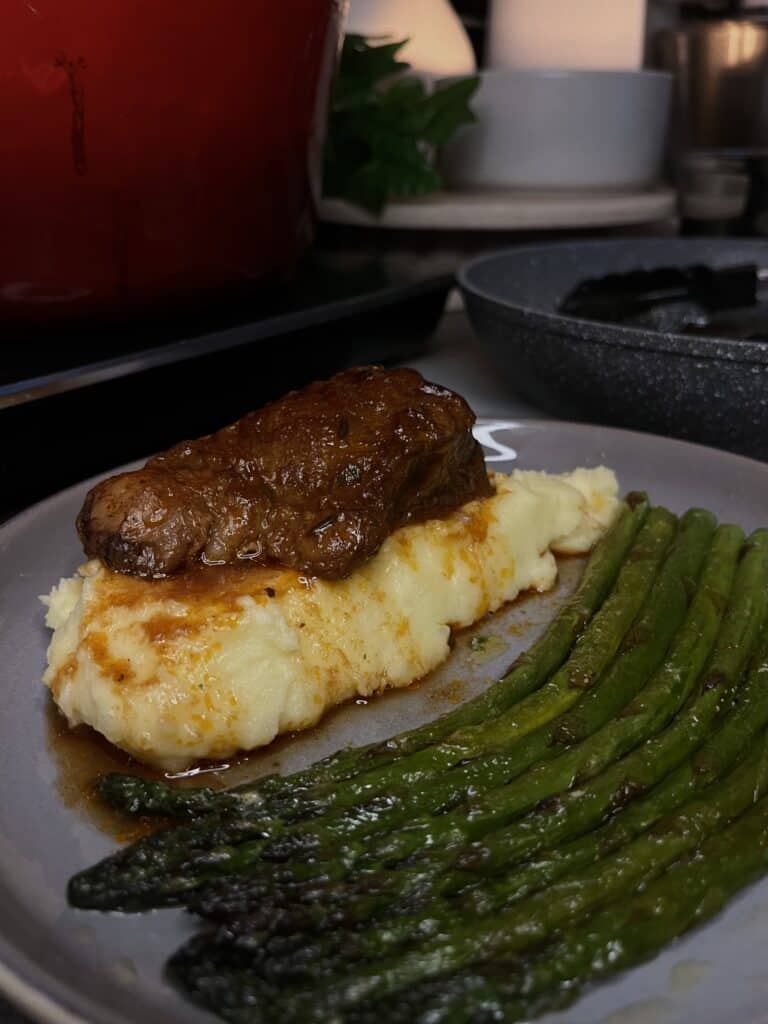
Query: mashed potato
pixel 219 660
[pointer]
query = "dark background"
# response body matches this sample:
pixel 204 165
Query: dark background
pixel 473 13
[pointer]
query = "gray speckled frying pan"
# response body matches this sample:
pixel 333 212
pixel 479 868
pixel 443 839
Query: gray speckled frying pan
pixel 700 388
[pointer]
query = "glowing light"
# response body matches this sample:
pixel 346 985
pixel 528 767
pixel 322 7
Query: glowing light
pixel 594 34
pixel 437 43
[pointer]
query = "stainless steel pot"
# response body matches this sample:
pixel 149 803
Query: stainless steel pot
pixel 721 83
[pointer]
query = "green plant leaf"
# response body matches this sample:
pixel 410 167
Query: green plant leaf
pixel 384 126
pixel 363 66
pixel 448 109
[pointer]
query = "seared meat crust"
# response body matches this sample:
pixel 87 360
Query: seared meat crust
pixel 315 481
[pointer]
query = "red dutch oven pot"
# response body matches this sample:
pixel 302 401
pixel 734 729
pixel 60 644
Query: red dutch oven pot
pixel 156 150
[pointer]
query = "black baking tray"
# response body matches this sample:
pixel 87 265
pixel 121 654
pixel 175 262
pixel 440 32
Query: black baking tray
pixel 115 392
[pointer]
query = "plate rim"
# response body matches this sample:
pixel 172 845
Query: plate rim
pixel 34 996
pixel 27 997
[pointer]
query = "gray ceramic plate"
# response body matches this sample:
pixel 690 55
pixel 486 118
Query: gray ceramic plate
pixel 66 966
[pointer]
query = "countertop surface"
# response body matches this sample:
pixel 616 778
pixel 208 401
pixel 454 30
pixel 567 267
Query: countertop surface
pixel 455 358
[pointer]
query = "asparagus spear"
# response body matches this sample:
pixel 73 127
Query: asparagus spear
pixel 738 727
pixel 329 895
pixel 625 933
pixel 690 894
pixel 528 924
pixel 445 1000
pixel 650 711
pixel 533 667
pixel 736 730
pixel 594 649
pixel 496 808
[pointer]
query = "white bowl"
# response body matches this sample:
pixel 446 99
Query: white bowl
pixel 539 129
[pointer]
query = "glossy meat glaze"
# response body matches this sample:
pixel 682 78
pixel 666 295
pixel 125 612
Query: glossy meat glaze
pixel 314 481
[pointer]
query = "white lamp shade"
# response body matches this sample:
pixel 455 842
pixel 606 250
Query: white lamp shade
pixel 437 42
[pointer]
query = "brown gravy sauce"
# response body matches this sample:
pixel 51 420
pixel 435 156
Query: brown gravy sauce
pixel 219 586
pixel 81 755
